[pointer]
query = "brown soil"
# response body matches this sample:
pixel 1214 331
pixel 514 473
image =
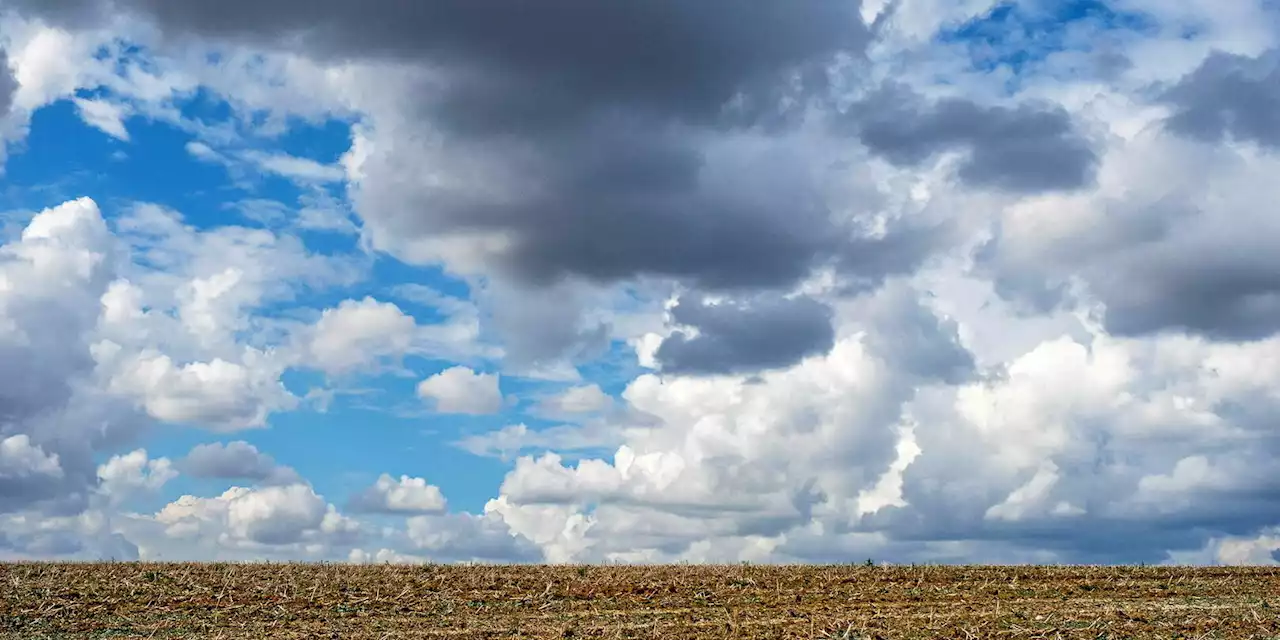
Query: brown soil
pixel 132 600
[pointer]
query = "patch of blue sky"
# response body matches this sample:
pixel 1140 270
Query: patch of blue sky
pixel 324 142
pixel 374 425
pixel 61 158
pixel 206 107
pixel 344 449
pixel 615 370
pixel 1019 34
pixel 396 281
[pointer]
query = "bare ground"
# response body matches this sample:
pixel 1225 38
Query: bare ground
pixel 138 600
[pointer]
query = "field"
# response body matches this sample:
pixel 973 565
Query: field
pixel 131 600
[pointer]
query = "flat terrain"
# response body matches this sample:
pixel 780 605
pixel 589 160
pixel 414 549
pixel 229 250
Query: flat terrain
pixel 129 600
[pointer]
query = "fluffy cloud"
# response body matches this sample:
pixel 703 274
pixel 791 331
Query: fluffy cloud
pixel 52 414
pixel 357 332
pixel 406 495
pixel 1161 199
pixel 219 394
pixel 18 457
pixel 240 517
pixel 125 475
pixel 236 460
pixel 26 470
pixel 577 400
pixel 468 537
pixel 360 333
pixel 461 390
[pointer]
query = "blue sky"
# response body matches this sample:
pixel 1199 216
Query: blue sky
pixel 1017 34
pixel 987 286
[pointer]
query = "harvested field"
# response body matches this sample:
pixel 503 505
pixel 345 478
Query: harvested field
pixel 131 600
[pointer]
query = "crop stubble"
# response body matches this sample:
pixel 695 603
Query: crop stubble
pixel 145 600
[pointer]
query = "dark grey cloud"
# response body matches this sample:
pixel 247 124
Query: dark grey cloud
pixel 8 84
pixel 1024 149
pixel 236 460
pixel 1220 297
pixel 1229 97
pixel 643 203
pixel 558 57
pixel 624 198
pixel 763 332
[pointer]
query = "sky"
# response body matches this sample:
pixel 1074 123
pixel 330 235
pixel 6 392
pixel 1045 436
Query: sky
pixel 920 281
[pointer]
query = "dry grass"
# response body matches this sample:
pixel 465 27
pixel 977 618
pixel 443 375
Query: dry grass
pixel 129 600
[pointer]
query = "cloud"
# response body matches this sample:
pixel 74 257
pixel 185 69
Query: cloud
pixel 577 400
pixel 219 395
pixel 272 516
pixel 1026 148
pixel 1229 97
pixel 236 460
pixel 26 471
pixel 406 495
pixel 18 457
pixel 202 151
pixel 703 58
pixel 464 536
pixel 461 390
pixel 292 167
pixel 86 536
pixel 545 326
pixel 745 335
pixel 518 439
pixel 132 473
pixel 105 116
pixel 358 332
pixel 52 277
pixel 384 556
pixel 1172 241
pixel 8 84
pixel 914 339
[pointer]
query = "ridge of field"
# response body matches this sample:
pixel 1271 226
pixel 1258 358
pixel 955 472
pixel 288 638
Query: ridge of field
pixel 149 600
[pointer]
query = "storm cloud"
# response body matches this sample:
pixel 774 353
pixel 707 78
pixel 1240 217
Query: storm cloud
pixel 514 65
pixel 1229 96
pixel 8 84
pixel 765 332
pixel 1026 148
